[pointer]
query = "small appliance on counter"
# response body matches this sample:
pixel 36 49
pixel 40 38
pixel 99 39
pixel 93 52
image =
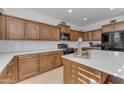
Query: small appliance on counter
pixel 66 49
pixel 113 41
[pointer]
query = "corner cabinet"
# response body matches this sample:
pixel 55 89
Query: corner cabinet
pixel 10 73
pixel 74 35
pixel 14 28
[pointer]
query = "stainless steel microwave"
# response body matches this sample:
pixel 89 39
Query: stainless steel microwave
pixel 64 36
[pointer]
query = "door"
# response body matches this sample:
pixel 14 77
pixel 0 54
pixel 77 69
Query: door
pixel 31 30
pixel 28 68
pixel 15 28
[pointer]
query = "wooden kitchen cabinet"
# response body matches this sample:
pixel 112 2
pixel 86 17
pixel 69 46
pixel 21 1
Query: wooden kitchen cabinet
pixel 74 35
pixel 57 60
pixel 119 26
pixel 55 33
pixel 10 73
pixel 64 28
pixel 45 33
pixel 32 30
pixel 2 27
pixel 75 73
pixel 89 36
pixel 96 35
pixel 45 61
pixel 15 28
pixel 85 35
pixel 28 66
pixel 107 28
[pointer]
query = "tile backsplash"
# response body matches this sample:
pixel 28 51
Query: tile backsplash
pixel 18 45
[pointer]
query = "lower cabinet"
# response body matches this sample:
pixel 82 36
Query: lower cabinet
pixel 75 73
pixel 28 68
pixel 10 73
pixel 29 65
pixel 45 61
pixel 57 60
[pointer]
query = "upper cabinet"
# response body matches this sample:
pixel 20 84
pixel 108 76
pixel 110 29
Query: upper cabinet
pixel 55 33
pixel 107 28
pixel 97 35
pixel 14 28
pixel 32 30
pixel 64 28
pixel 94 35
pixel 74 35
pixel 2 27
pixel 48 32
pixel 113 27
pixel 45 33
pixel 119 26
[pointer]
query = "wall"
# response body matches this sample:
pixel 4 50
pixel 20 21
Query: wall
pixel 16 45
pixel 101 23
pixel 31 15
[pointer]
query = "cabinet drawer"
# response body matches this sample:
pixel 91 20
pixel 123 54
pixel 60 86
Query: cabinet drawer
pixel 27 56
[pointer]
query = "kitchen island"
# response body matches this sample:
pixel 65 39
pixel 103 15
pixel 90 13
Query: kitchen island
pixel 94 69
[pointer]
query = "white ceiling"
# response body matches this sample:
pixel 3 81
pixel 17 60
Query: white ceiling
pixel 76 17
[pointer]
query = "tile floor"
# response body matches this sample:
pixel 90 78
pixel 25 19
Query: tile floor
pixel 54 76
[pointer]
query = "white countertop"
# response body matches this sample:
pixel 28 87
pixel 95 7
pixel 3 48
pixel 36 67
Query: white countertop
pixel 5 58
pixel 109 62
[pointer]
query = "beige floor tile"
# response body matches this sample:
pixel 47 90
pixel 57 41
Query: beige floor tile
pixel 54 76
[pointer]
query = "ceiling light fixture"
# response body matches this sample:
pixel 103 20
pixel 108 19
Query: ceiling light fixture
pixel 70 11
pixel 112 8
pixel 84 19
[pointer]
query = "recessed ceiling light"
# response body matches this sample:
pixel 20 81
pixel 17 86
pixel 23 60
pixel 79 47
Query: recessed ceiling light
pixel 70 11
pixel 84 19
pixel 112 8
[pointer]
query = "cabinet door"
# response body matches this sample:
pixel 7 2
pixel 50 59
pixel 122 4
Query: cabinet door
pixel 55 33
pixel 63 29
pixel 15 28
pixel 45 63
pixel 13 71
pixel 97 35
pixel 57 60
pixel 10 73
pixel 85 36
pixel 107 28
pixel 89 37
pixel 31 31
pixel 2 27
pixel 119 26
pixel 45 33
pixel 28 68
